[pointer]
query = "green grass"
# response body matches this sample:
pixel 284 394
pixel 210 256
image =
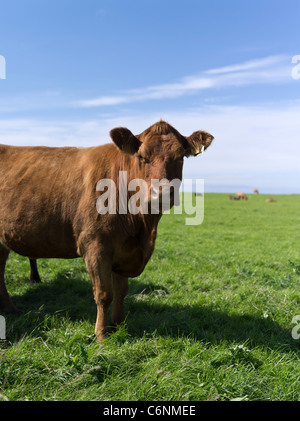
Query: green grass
pixel 209 319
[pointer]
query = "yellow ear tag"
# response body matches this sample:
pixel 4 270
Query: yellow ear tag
pixel 200 152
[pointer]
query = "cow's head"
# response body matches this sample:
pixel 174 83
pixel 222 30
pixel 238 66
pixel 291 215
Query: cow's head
pixel 158 154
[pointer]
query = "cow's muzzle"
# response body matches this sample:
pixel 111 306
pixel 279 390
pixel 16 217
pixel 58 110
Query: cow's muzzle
pixel 163 195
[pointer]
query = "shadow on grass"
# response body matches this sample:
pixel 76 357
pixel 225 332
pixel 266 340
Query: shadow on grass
pixel 73 299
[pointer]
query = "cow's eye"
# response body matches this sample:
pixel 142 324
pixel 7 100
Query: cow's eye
pixel 143 159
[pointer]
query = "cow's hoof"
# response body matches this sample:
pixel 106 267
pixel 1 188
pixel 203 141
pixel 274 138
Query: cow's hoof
pixel 102 334
pixel 34 282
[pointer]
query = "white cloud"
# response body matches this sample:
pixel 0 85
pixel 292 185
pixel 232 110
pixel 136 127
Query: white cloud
pixel 267 70
pixel 169 90
pixel 104 100
pixel 250 65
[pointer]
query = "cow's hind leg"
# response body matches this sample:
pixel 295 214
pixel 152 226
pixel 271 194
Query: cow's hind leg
pixel 34 273
pixel 120 289
pixel 6 305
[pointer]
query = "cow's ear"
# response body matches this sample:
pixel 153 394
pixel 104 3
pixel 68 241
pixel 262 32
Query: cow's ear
pixel 198 142
pixel 125 140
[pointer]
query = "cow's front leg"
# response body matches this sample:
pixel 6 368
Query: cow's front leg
pixel 99 268
pixel 120 289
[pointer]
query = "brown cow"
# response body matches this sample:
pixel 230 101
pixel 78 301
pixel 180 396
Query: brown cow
pixel 241 196
pixel 48 200
pixel 255 191
pixel 270 199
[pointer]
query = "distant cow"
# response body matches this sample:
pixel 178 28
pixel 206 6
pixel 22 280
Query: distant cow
pixel 255 191
pixel 270 199
pixel 234 198
pixel 48 199
pixel 241 196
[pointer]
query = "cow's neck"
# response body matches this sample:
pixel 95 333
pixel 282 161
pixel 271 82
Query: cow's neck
pixel 140 225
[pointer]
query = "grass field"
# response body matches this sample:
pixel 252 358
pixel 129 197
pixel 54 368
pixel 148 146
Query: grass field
pixel 209 319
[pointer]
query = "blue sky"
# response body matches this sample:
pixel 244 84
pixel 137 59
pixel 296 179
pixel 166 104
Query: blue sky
pixel 76 69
